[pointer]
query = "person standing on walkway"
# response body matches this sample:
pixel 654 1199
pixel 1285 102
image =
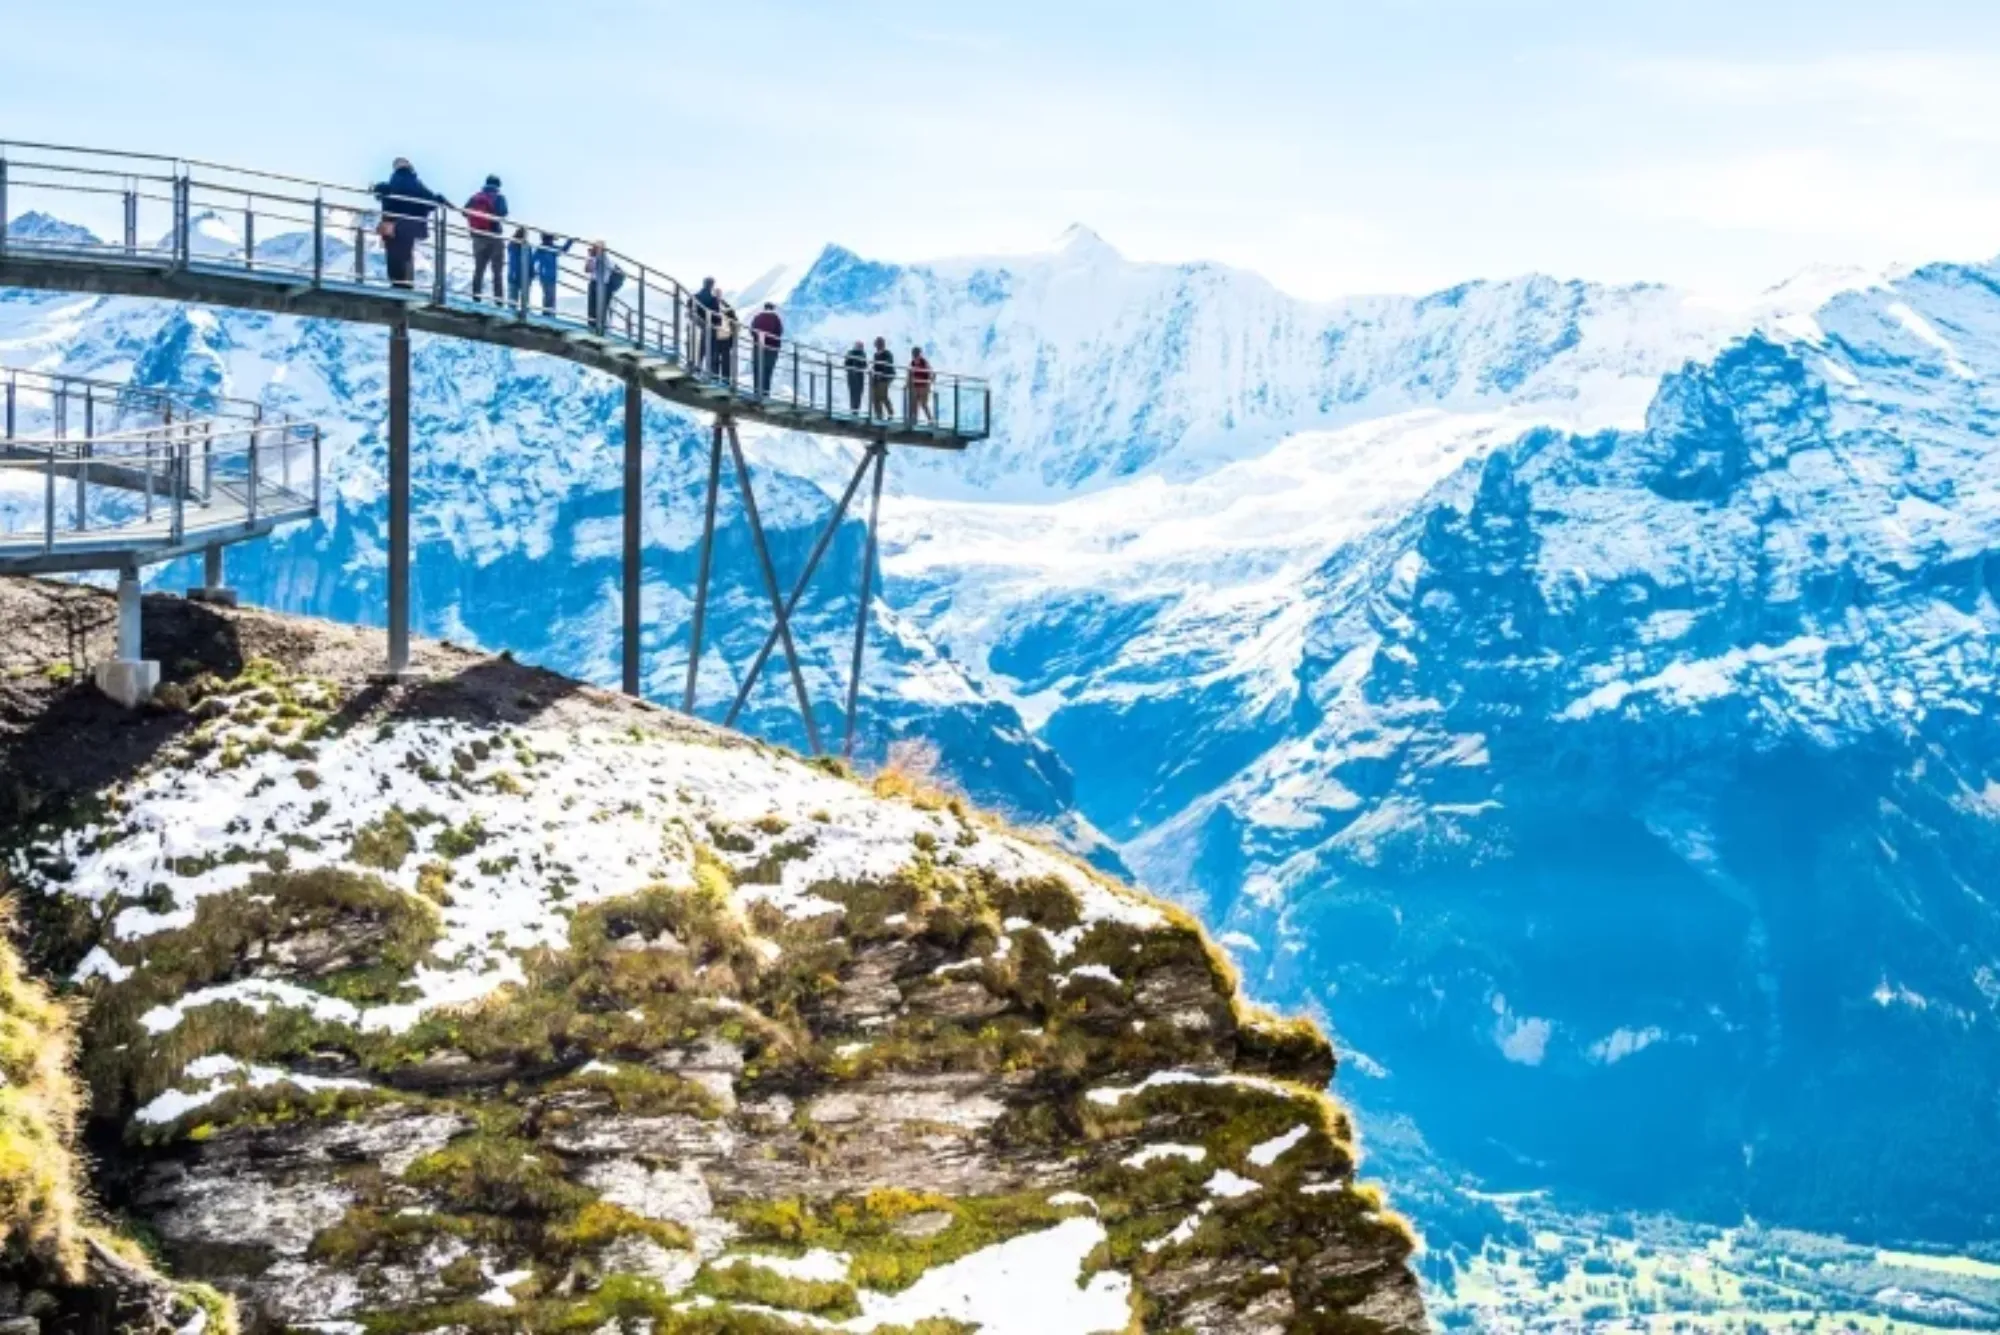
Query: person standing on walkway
pixel 605 279
pixel 883 375
pixel 518 262
pixel 407 204
pixel 767 331
pixel 920 388
pixel 856 363
pixel 707 306
pixel 725 340
pixel 483 213
pixel 547 261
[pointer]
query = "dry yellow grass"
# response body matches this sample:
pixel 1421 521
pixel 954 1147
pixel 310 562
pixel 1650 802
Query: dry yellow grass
pixel 42 1209
pixel 911 773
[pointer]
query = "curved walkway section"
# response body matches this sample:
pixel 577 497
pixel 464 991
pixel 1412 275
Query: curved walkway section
pixel 82 220
pixel 172 476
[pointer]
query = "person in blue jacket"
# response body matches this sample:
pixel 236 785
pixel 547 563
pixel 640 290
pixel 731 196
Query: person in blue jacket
pixel 407 205
pixel 545 262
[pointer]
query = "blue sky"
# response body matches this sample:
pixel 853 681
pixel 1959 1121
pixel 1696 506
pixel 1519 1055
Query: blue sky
pixel 1400 145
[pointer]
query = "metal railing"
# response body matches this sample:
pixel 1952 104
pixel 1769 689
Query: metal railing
pixel 164 483
pixel 193 215
pixel 52 404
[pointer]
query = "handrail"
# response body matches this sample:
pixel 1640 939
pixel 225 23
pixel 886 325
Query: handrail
pixel 442 259
pixel 59 382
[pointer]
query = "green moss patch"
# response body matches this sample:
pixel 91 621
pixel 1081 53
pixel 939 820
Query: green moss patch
pixel 892 1236
pixel 747 1282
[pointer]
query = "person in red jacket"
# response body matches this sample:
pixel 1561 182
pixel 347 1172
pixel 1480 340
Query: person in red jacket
pixel 767 330
pixel 920 377
pixel 483 213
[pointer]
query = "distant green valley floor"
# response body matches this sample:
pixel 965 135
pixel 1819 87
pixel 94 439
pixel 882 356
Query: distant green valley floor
pixel 1588 1273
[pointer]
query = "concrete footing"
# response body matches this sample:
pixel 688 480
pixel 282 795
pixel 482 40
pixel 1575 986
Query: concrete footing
pixel 212 591
pixel 129 681
pixel 128 678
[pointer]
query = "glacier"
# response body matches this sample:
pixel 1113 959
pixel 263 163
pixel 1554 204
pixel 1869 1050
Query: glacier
pixel 1583 691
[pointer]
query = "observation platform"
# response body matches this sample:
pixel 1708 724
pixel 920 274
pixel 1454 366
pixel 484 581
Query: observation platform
pixel 254 240
pixel 189 231
pixel 173 474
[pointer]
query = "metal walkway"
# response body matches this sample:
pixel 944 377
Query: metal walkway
pixel 172 476
pixel 181 230
pixel 226 236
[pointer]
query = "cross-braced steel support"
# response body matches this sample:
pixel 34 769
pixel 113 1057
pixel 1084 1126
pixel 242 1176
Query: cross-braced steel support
pixel 770 574
pixel 799 588
pixel 782 608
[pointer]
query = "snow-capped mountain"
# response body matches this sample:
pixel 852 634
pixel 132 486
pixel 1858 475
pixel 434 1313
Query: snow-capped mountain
pixel 1103 369
pixel 1606 737
pixel 1586 691
pixel 1630 792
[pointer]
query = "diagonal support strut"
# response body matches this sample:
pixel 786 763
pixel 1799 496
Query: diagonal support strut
pixel 880 453
pixel 799 588
pixel 771 587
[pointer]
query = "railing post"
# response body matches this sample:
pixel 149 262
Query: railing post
pixel 49 498
pixel 254 433
pixel 178 473
pixel 315 440
pixel 677 326
pixel 83 454
pixel 360 253
pixel 207 463
pixel 439 249
pixel 319 239
pixel 183 243
pixel 149 477
pixel 642 308
pixel 956 385
pixel 131 222
pixel 3 204
pixel 249 235
pixel 10 405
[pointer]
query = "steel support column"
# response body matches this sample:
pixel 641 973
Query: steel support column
pixel 128 614
pixel 880 453
pixel 399 498
pixel 706 566
pixel 770 574
pixel 634 500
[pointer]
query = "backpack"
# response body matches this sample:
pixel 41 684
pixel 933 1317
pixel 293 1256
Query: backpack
pixel 614 280
pixel 484 203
